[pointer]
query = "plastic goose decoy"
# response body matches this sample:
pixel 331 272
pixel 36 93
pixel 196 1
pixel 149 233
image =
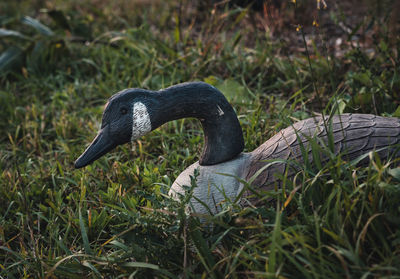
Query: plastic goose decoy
pixel 133 113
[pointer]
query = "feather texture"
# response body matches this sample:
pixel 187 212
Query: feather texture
pixel 352 134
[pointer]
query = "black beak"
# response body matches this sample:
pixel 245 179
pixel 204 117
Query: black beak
pixel 101 144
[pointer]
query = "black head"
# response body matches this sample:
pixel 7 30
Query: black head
pixel 126 117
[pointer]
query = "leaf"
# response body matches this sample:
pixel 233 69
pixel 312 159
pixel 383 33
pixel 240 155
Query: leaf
pixel 91 267
pixel 341 105
pixel 85 238
pixel 40 27
pixel 242 15
pixel 7 32
pixel 364 78
pixel 177 35
pixel 211 80
pixel 142 265
pixel 395 173
pixel 9 58
pixel 273 261
pixel 119 245
pixel 233 91
pixel 397 112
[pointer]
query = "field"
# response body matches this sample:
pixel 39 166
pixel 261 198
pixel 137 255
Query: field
pixel 276 63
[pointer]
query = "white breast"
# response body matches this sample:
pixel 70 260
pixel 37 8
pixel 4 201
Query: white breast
pixel 215 184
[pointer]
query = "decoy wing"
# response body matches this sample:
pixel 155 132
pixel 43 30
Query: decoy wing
pixel 352 135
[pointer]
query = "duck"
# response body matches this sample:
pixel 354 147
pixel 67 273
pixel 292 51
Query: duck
pixel 223 167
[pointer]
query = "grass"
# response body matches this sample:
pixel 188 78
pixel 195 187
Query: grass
pixel 113 219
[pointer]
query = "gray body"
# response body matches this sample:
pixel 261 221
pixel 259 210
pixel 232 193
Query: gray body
pixel 214 184
pixel 132 113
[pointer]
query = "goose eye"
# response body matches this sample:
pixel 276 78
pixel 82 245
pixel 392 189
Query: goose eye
pixel 124 111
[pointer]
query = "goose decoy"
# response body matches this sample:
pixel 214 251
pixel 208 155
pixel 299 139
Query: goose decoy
pixel 133 113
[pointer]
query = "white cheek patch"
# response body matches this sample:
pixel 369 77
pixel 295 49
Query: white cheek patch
pixel 141 123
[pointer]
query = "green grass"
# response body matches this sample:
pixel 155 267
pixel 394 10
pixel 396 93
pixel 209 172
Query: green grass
pixel 114 218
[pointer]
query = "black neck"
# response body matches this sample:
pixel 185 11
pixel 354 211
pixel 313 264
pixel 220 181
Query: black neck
pixel 223 138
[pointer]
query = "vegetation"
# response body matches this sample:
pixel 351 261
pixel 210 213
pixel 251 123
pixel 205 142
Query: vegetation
pixel 61 60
